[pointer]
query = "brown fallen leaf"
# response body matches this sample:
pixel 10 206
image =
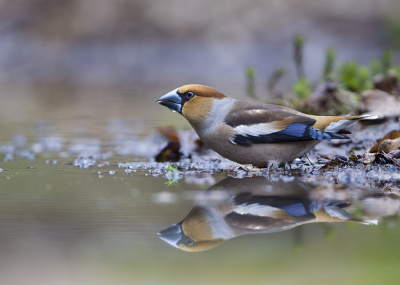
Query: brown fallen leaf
pixel 180 144
pixel 390 136
pixel 171 152
pixel 170 133
pixel 389 145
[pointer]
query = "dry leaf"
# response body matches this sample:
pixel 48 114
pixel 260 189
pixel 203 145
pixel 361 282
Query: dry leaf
pixel 392 135
pixel 368 158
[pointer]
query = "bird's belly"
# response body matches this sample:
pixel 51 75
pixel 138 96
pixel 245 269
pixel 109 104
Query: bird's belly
pixel 261 154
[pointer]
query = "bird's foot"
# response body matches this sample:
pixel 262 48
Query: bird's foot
pixel 268 170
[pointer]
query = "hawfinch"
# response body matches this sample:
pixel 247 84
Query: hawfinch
pixel 248 133
pixel 254 205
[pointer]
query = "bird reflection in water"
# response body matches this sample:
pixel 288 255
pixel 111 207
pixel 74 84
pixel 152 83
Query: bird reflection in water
pixel 235 207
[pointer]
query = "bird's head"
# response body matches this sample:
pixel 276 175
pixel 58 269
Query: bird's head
pixel 193 101
pixel 194 233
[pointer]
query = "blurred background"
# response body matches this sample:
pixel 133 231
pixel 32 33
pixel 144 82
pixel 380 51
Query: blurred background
pixel 93 69
pixel 80 57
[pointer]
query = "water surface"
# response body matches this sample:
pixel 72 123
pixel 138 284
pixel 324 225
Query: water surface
pixel 80 205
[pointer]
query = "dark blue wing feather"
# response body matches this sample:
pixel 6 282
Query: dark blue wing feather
pixel 293 132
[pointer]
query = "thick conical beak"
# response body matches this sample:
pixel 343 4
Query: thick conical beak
pixel 172 235
pixel 171 100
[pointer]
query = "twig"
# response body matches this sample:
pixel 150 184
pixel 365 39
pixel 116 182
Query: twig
pixel 389 158
pixel 387 186
pixel 309 160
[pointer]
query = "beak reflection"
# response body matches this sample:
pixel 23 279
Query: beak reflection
pixel 171 235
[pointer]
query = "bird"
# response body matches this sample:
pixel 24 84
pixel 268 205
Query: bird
pixel 250 133
pixel 254 205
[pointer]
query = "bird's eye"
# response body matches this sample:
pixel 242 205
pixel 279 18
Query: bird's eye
pixel 189 94
pixel 190 242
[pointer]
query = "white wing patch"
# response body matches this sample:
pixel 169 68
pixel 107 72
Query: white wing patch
pixel 256 130
pixel 257 111
pixel 257 210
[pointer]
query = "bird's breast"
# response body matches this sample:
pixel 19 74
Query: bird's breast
pixel 257 154
pixel 213 117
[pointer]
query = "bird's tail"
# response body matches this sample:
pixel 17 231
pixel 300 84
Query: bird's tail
pixel 338 124
pixel 336 214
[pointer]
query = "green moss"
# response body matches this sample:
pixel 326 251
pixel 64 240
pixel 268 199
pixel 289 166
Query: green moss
pixel 350 75
pixel 302 89
pixel 354 77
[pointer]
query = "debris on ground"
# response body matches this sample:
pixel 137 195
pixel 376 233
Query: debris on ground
pixel 330 100
pixel 388 83
pixel 389 142
pixel 391 191
pixel 180 144
pixel 379 103
pixel 372 154
pixel 171 151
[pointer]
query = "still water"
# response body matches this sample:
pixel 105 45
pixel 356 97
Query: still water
pixel 64 225
pixel 79 204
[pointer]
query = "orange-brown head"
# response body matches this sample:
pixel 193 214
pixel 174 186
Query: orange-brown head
pixel 193 101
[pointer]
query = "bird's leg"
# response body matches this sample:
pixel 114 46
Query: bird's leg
pixel 269 170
